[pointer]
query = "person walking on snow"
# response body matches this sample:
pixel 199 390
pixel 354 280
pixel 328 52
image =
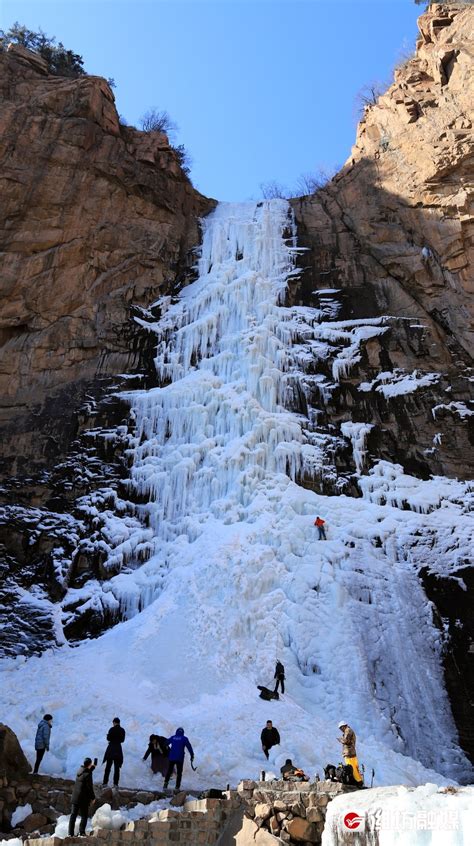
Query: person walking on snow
pixel 43 734
pixel 269 737
pixel 158 749
pixel 82 796
pixel 177 747
pixel 348 741
pixel 279 676
pixel 113 753
pixel 319 523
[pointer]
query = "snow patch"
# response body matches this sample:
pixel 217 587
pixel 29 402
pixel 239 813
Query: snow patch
pixel 20 813
pixel 424 816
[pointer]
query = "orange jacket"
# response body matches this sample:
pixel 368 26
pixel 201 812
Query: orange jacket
pixel 318 522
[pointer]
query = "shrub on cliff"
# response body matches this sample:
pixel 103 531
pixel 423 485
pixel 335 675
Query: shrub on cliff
pixel 60 61
pixel 156 120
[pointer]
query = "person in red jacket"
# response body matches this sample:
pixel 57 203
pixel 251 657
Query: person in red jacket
pixel 319 523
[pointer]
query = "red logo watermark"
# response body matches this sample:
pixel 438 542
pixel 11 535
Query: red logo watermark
pixel 352 821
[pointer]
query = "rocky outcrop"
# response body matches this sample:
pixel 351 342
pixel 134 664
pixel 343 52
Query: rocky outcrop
pixel 13 762
pixel 391 235
pixel 98 220
pixel 292 811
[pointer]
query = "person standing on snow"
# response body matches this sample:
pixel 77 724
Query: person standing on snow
pixel 269 737
pixel 279 676
pixel 113 753
pixel 319 523
pixel 82 796
pixel 348 741
pixel 43 734
pixel 177 747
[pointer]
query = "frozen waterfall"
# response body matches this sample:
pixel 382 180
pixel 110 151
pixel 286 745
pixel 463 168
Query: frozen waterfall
pixel 235 576
pixel 220 427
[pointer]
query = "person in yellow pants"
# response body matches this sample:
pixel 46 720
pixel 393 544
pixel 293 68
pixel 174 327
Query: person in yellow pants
pixel 348 741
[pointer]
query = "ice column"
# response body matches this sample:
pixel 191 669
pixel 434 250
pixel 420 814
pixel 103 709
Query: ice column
pixel 218 424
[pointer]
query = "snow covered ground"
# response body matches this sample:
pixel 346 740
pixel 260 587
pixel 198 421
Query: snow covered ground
pixel 399 816
pixel 236 577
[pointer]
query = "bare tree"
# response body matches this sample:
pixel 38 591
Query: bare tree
pixel 368 96
pixel 309 183
pixel 274 190
pixel 156 120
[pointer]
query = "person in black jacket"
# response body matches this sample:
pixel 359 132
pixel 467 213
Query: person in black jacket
pixel 279 676
pixel 158 749
pixel 113 753
pixel 269 737
pixel 82 796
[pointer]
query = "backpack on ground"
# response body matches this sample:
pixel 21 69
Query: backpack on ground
pixel 343 774
pixel 266 693
pixel 212 793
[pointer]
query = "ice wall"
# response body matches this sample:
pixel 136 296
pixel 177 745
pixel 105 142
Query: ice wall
pixel 235 576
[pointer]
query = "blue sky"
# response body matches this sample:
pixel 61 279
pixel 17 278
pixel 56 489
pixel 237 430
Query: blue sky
pixel 260 89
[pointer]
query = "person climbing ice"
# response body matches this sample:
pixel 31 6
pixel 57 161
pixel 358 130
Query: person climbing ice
pixel 114 753
pixel 348 741
pixel 319 523
pixel 269 737
pixel 279 676
pixel 177 748
pixel 43 734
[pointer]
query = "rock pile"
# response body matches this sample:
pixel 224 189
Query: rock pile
pixel 292 811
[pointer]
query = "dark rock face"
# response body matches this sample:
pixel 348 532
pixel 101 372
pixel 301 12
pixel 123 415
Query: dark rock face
pixel 452 597
pixel 13 763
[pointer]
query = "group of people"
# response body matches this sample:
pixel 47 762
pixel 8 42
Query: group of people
pixel 270 736
pixel 167 755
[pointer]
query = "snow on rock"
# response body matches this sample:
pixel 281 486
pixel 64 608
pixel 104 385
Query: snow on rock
pixel 396 383
pixel 104 817
pixel 401 816
pixel 20 813
pixel 458 408
pixel 235 576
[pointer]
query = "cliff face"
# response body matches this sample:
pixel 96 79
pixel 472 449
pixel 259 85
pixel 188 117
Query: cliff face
pixel 390 239
pixel 407 187
pixel 97 221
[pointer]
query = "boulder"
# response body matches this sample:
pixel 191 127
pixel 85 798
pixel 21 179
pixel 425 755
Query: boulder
pixel 13 762
pixel 178 800
pixel 263 810
pixel 314 815
pixel 303 831
pixel 34 822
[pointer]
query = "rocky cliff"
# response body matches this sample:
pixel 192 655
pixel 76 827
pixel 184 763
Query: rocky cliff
pixel 98 220
pixel 392 234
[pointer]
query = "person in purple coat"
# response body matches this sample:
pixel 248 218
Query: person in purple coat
pixel 177 747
